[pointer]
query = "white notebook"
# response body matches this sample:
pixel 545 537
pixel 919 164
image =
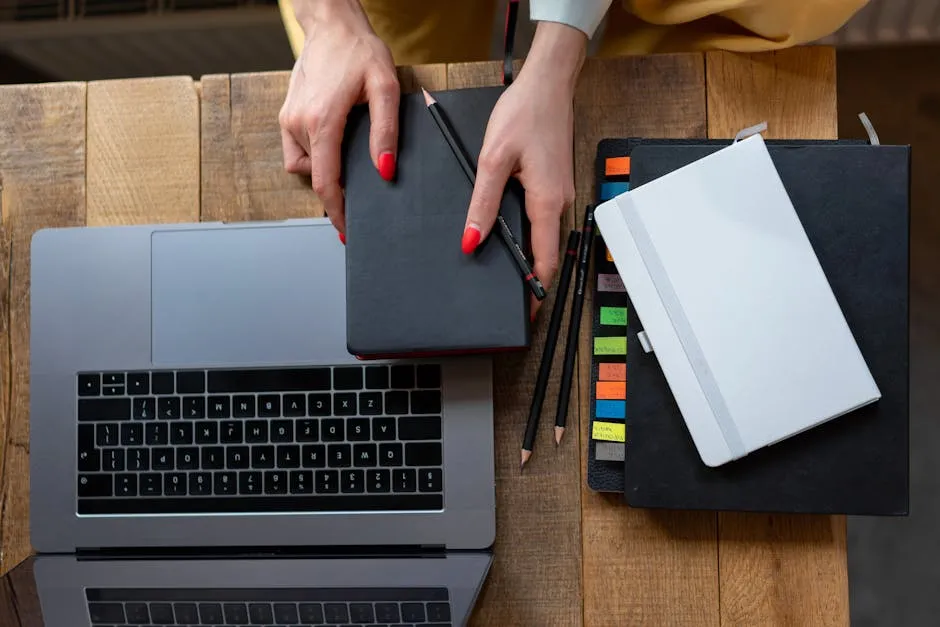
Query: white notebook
pixel 734 303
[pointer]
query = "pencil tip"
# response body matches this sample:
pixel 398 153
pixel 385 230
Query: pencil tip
pixel 524 458
pixel 559 434
pixel 428 98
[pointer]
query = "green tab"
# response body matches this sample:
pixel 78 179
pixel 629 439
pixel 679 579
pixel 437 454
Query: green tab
pixel 610 345
pixel 616 316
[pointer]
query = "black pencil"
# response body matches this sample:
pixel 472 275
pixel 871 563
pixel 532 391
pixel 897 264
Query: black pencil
pixel 574 326
pixel 554 325
pixel 505 232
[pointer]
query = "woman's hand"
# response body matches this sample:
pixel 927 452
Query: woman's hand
pixel 530 136
pixel 343 63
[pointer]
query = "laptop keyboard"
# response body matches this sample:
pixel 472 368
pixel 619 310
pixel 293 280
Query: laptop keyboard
pixel 343 438
pixel 395 607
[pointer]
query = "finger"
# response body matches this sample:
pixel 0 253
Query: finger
pixel 296 159
pixel 325 145
pixel 384 96
pixel 544 235
pixel 492 176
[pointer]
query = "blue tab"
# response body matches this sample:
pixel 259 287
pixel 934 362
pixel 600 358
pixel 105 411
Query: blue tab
pixel 612 409
pixel 609 190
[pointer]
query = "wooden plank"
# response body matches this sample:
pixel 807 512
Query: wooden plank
pixel 42 167
pixel 19 600
pixel 219 200
pixel 538 543
pixel 764 560
pixel 640 567
pixel 143 150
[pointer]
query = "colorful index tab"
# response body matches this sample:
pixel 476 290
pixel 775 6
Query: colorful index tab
pixel 615 316
pixel 612 372
pixel 617 166
pixel 609 190
pixel 609 431
pixel 612 390
pixel 610 345
pixel 612 409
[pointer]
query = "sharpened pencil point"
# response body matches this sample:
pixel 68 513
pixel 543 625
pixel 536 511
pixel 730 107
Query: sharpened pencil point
pixel 524 458
pixel 428 98
pixel 559 434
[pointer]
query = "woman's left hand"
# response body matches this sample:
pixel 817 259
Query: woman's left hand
pixel 530 136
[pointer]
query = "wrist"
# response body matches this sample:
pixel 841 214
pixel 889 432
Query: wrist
pixel 557 53
pixel 312 12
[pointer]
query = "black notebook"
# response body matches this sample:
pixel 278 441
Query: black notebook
pixel 853 201
pixel 410 290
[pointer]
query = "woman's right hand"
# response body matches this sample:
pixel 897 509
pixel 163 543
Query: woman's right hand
pixel 343 63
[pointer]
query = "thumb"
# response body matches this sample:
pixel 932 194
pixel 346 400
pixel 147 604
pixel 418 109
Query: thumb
pixel 492 176
pixel 384 95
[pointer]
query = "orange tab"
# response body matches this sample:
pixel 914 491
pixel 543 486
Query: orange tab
pixel 609 256
pixel 612 372
pixel 612 390
pixel 617 166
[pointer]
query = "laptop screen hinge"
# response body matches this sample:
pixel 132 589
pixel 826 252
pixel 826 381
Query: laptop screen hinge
pixel 302 552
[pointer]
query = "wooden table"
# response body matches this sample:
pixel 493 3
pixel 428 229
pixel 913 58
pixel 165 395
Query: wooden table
pixel 172 149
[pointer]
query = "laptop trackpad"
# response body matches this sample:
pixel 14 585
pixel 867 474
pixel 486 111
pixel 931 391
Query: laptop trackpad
pixel 248 295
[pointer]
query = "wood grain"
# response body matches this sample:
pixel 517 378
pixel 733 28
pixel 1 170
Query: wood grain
pixel 217 155
pixel 640 567
pixel 42 168
pixel 538 541
pixel 765 560
pixel 19 601
pixel 143 150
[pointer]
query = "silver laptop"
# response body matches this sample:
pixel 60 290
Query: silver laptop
pixel 205 450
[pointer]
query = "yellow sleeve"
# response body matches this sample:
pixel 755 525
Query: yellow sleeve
pixel 646 26
pixel 295 35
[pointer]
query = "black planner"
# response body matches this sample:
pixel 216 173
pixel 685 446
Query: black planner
pixel 853 201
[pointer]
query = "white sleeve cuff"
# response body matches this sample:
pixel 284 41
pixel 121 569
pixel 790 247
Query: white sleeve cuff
pixel 585 15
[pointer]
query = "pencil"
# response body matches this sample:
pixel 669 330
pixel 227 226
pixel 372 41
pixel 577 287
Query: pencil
pixel 554 325
pixel 574 325
pixel 504 231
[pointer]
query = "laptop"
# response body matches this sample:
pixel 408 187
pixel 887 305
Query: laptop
pixel 205 451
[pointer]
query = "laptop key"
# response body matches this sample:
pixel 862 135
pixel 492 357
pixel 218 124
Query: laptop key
pixel 237 457
pixel 151 484
pixel 344 404
pixel 376 377
pixel 186 613
pixel 403 377
pixel 347 378
pixel 219 407
pixel 243 406
pixel 161 613
pixel 314 456
pixel 333 430
pixel 396 403
pixel 357 430
pixel 249 482
pixel 339 455
pixel 137 613
pixel 319 404
pixel 412 612
pixel 161 383
pixel 311 613
pixel 168 408
pixel 144 408
pixel 260 613
pixel 307 431
pixel 275 482
pixel 231 432
pixel 213 458
pixel 301 482
pixel 426 402
pixel 288 456
pixel 439 612
pixel 107 434
pixel 138 459
pixel 336 613
pixel 89 458
pixel 194 407
pixel 285 613
pixel 262 457
pixel 295 405
pixel 353 481
pixel 113 459
pixel 429 376
pixel 235 613
pixel 207 432
pixel 180 433
pixel 390 454
pixel 327 481
pixel 383 429
pixel 103 409
pixel 256 431
pixel 106 612
pixel 269 380
pixel 226 483
pixel 138 383
pixel 242 503
pixel 200 483
pixel 387 613
pixel 187 458
pixel 95 486
pixel 156 434
pixel 210 613
pixel 282 431
pixel 361 613
pixel 378 480
pixel 191 382
pixel 431 480
pixel 404 480
pixel 370 403
pixel 419 428
pixel 89 384
pixel 364 455
pixel 174 484
pixel 132 434
pixel 423 454
pixel 269 406
pixel 163 458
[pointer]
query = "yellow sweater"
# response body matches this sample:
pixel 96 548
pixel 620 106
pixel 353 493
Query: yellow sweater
pixel 435 31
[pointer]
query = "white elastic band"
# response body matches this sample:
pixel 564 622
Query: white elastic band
pixel 744 133
pixel 870 129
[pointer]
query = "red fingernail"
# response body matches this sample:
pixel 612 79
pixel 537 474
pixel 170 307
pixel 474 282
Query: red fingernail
pixel 470 240
pixel 342 238
pixel 387 166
